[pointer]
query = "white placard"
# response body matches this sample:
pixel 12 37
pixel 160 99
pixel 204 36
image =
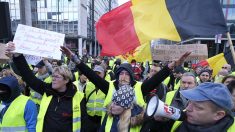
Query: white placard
pixel 38 42
pixel 33 60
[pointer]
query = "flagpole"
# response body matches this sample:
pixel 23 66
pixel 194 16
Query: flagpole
pixel 231 46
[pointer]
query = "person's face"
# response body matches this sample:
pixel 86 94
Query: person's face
pixel 177 75
pixel 101 74
pixel 124 78
pixel 187 82
pixel 202 113
pixel 54 64
pixel 198 70
pixel 5 93
pixel 154 70
pixel 233 97
pixel 83 78
pixel 228 80
pixel 116 109
pixel 204 77
pixel 42 70
pixel 59 82
pixel 227 67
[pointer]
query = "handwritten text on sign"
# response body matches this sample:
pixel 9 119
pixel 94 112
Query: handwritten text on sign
pixel 38 42
pixel 173 52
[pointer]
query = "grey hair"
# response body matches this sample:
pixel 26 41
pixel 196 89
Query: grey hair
pixel 190 74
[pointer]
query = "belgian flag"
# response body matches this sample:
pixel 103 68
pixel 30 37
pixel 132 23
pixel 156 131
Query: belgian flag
pixel 139 21
pixel 216 62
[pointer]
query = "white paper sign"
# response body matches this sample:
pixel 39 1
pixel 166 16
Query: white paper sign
pixel 38 42
pixel 33 60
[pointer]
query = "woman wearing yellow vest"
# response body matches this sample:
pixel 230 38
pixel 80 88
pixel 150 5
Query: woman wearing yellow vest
pixel 123 115
pixel 62 106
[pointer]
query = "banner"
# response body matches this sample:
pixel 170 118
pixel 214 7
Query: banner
pixel 3 57
pixel 38 42
pixel 173 52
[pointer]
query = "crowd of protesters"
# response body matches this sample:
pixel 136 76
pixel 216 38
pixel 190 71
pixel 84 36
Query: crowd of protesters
pixel 85 94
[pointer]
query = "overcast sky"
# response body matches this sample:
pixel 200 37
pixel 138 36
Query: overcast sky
pixel 122 1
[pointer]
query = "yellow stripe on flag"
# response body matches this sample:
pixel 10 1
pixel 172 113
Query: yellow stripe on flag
pixel 216 62
pixel 152 20
pixel 140 54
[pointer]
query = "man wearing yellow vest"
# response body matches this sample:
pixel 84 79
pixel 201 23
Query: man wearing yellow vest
pixel 174 98
pixel 43 73
pixel 94 101
pixel 17 112
pixel 208 110
pixel 62 108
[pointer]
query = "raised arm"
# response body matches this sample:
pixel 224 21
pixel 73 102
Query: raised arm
pixel 99 82
pixel 24 69
pixel 155 80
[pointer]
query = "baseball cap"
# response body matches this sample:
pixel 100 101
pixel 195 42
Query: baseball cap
pixel 98 69
pixel 215 92
pixel 40 64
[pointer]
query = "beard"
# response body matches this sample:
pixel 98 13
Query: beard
pixel 124 82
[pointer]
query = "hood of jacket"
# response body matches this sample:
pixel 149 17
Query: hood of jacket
pixel 127 67
pixel 12 83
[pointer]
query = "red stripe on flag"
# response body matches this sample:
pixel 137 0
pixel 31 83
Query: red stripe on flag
pixel 115 31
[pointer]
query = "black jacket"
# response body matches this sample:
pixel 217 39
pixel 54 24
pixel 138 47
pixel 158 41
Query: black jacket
pixel 103 85
pixel 58 117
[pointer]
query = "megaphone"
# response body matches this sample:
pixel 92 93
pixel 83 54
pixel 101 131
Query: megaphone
pixel 156 108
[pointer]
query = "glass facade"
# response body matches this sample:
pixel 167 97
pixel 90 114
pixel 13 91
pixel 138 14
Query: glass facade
pixel 229 10
pixel 60 15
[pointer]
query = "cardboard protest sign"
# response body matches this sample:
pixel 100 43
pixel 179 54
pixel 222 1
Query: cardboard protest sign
pixel 173 52
pixel 38 42
pixel 3 57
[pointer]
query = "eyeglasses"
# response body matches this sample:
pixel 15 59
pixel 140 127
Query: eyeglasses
pixel 57 77
pixel 224 67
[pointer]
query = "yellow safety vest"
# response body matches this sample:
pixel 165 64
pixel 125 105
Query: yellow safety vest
pixel 76 76
pixel 178 123
pixel 176 85
pixel 109 123
pixel 166 81
pixel 111 63
pixel 76 111
pixel 96 100
pixel 138 96
pixel 13 120
pixel 107 76
pixel 36 97
pixel 169 97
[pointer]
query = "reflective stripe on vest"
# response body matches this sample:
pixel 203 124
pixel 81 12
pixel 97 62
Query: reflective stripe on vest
pixel 13 119
pixel 76 111
pixel 95 101
pixel 13 129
